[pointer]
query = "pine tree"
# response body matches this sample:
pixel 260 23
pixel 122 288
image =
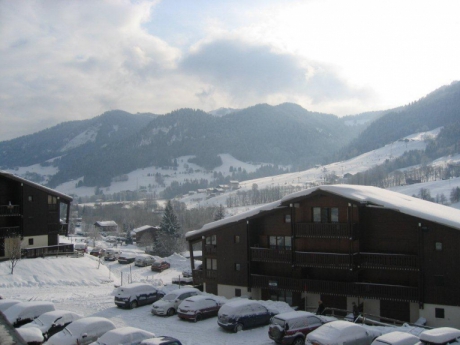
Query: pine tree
pixel 169 238
pixel 169 223
pixel 220 213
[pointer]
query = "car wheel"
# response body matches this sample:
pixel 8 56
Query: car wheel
pixel 171 312
pixel 133 304
pixel 199 317
pixel 238 327
pixel 299 341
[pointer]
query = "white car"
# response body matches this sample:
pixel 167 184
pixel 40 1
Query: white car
pixel 169 303
pixel 25 312
pixel 82 332
pixel 7 303
pixel 124 336
pixel 52 322
pixel 144 260
pixel 441 335
pixel 342 333
pixel 396 338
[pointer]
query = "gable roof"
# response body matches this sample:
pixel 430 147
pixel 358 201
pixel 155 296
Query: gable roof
pixel 105 223
pixel 35 185
pixel 143 228
pixel 366 195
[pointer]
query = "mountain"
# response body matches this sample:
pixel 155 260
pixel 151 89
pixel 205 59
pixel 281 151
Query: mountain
pixel 222 111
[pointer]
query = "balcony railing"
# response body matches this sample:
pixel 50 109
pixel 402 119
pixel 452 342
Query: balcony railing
pixel 210 249
pixel 388 261
pixel 197 277
pixel 9 210
pixel 61 249
pixel 271 255
pixel 210 274
pixel 326 230
pixel 10 231
pixel 323 260
pixel 352 289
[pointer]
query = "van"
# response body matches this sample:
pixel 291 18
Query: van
pixel 25 312
pixel 396 338
pixel 81 247
pixel 136 294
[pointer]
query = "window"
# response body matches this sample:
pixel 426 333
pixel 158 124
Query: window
pixel 287 218
pixel 211 240
pixel 325 215
pixel 31 241
pixel 237 267
pixel 438 246
pixel 280 242
pixel 237 292
pixel 211 264
pixel 30 198
pixel 281 295
pixel 439 280
pixel 237 239
pixel 52 203
pixel 439 313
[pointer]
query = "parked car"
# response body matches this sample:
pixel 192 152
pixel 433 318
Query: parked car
pixel 293 327
pixel 241 314
pixel 7 303
pixel 342 333
pixel 126 258
pixel 81 247
pixel 82 332
pixel 112 254
pixel 21 313
pixel 32 335
pixel 169 303
pixel 160 266
pixel 441 335
pixel 161 341
pixel 396 338
pixel 144 260
pixel 199 307
pixel 96 252
pixel 124 336
pixel 136 294
pixel 52 322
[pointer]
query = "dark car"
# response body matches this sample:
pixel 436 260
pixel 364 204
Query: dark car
pixel 198 307
pixel 137 294
pixel 126 258
pixel 242 314
pixel 96 252
pixel 292 327
pixel 160 266
pixel 161 341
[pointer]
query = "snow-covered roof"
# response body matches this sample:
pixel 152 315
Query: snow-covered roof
pixel 104 223
pixel 142 228
pixel 366 195
pixel 397 337
pixel 440 335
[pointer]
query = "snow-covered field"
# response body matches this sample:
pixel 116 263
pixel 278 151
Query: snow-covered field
pixel 85 287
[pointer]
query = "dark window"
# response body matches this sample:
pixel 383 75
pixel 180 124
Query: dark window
pixel 439 313
pixel 211 264
pixel 316 214
pixel 439 280
pixel 211 240
pixel 52 203
pixel 31 241
pixel 237 267
pixel 325 215
pixel 237 239
pixel 281 295
pixel 31 198
pixel 237 292
pixel 280 242
pixel 438 246
pixel 2 247
pixel 287 218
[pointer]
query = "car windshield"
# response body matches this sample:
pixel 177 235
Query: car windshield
pixel 276 321
pixel 66 331
pixel 170 297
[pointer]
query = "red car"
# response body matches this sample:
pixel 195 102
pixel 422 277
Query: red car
pixel 198 307
pixel 160 266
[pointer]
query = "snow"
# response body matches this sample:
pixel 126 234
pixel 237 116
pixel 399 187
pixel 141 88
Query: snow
pixel 31 334
pixel 46 320
pixel 27 310
pixel 124 336
pixel 81 139
pixel 396 338
pixel 440 335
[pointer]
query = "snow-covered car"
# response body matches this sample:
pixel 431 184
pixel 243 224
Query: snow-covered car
pixel 143 260
pixel 136 294
pixel 81 247
pixel 25 312
pixel 31 335
pixel 52 322
pixel 396 338
pixel 82 332
pixel 112 254
pixel 199 307
pixel 169 303
pixel 161 341
pixel 7 303
pixel 242 314
pixel 96 252
pixel 441 335
pixel 342 333
pixel 292 327
pixel 126 258
pixel 124 336
pixel 160 266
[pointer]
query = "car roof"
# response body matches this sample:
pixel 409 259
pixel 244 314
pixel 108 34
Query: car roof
pixel 293 315
pixel 440 335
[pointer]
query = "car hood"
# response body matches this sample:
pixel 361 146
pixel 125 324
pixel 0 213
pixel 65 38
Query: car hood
pixel 162 303
pixel 62 339
pixel 42 328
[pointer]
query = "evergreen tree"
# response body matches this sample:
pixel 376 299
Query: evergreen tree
pixel 169 238
pixel 220 213
pixel 169 223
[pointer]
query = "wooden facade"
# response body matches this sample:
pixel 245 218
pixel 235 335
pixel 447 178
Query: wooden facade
pixel 339 249
pixel 31 212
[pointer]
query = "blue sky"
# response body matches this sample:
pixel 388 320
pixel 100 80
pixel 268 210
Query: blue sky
pixel 64 60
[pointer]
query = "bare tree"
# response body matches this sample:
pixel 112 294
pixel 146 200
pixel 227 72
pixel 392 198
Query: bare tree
pixel 13 251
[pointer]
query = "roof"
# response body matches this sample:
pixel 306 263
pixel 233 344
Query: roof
pixel 365 195
pixel 35 185
pixel 143 228
pixel 104 223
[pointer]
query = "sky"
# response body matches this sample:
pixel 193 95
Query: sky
pixel 63 60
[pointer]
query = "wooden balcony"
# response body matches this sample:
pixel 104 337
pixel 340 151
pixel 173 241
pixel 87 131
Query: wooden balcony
pixel 210 249
pixel 326 230
pixel 271 255
pixel 10 231
pixel 210 274
pixel 9 210
pixel 323 260
pixel 352 289
pixel 197 277
pixel 388 261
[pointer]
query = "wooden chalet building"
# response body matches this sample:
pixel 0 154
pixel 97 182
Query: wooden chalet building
pixel 109 226
pixel 32 212
pixel 398 254
pixel 145 233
